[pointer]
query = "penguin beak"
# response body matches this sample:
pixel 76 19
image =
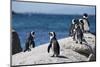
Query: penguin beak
pixel 85 17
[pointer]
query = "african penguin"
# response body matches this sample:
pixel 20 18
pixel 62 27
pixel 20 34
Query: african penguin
pixel 78 33
pixel 54 45
pixel 71 33
pixel 86 22
pixel 30 41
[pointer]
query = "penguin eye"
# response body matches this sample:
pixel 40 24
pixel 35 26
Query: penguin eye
pixel 33 33
pixel 51 34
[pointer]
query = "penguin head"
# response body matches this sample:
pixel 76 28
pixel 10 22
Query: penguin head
pixel 76 23
pixel 85 15
pixel 32 33
pixel 80 21
pixel 52 35
pixel 73 21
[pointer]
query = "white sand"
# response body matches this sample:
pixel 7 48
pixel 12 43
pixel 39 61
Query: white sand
pixel 39 55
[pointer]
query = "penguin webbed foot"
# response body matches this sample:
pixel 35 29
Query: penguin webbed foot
pixel 80 42
pixel 25 50
pixel 29 49
pixel 52 55
pixel 76 41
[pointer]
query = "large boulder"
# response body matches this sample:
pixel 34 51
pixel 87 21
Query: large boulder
pixel 88 48
pixel 16 46
pixel 80 48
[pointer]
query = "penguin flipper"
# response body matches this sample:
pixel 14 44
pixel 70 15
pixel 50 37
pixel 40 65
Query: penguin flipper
pixel 49 48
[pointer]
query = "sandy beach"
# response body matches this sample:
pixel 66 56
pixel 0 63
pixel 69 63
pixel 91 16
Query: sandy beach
pixel 69 52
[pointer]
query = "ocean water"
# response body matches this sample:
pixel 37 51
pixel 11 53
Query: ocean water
pixel 42 24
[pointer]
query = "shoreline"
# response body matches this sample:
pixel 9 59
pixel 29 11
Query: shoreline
pixel 69 52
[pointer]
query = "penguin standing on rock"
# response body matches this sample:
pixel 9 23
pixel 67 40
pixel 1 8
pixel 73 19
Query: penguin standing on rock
pixel 86 23
pixel 72 29
pixel 54 45
pixel 79 33
pixel 71 33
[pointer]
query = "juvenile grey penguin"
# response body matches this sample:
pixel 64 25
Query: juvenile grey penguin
pixel 54 45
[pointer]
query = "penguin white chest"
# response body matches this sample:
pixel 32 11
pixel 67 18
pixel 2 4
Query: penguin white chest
pixel 52 49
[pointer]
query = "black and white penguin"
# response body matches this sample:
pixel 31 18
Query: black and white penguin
pixel 78 33
pixel 86 22
pixel 30 41
pixel 54 45
pixel 72 27
pixel 81 24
